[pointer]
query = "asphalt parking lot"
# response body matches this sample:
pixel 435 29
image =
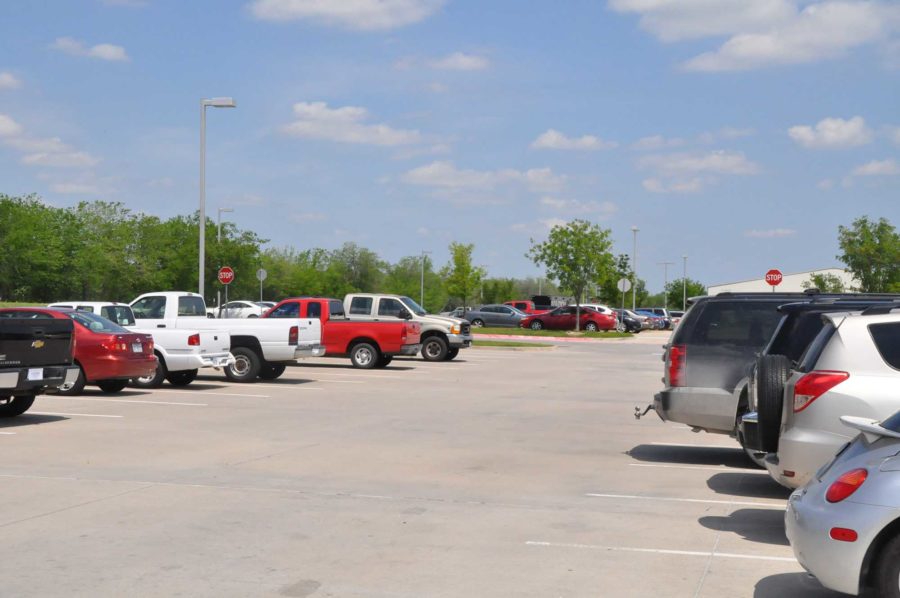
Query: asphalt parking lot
pixel 503 473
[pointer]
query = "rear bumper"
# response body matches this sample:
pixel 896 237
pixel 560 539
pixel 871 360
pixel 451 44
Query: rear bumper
pixel 113 366
pixel 710 409
pixel 27 381
pixel 306 351
pixel 410 349
pixel 801 452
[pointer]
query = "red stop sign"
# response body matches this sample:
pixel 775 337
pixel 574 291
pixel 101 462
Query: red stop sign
pixel 226 275
pixel 773 277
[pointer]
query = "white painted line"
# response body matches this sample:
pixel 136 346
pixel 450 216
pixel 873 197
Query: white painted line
pixel 686 445
pixel 295 386
pixel 698 467
pixel 689 500
pixel 723 555
pixel 58 398
pixel 8 433
pixel 209 392
pixel 72 414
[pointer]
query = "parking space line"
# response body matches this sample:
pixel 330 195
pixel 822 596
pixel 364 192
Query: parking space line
pixel 698 467
pixel 58 398
pixel 8 433
pixel 704 501
pixel 73 414
pixel 724 555
pixel 210 392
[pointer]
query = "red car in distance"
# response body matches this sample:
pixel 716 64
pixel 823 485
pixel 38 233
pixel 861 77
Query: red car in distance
pixel 107 354
pixel 526 306
pixel 563 318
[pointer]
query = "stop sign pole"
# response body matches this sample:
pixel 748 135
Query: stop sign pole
pixel 774 278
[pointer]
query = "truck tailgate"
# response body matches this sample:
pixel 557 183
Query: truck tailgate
pixel 214 341
pixel 35 342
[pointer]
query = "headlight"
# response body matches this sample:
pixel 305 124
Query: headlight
pixel 454 329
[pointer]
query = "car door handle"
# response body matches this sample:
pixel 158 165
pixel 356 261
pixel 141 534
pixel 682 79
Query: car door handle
pixel 160 325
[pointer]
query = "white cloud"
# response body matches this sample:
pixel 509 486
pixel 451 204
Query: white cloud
pixel 888 167
pixel 302 217
pixel 725 133
pixel 351 14
pixel 774 233
pixel 573 206
pixel 76 47
pixel 656 142
pixel 63 160
pixel 553 139
pixel 9 81
pixel 826 184
pixel 41 151
pixel 458 61
pixel 74 188
pixel 716 162
pixel 315 120
pixel 445 175
pixel 655 185
pixel 33 145
pixel 832 133
pixel 8 127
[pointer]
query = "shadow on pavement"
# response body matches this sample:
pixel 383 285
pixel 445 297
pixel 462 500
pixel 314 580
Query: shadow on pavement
pixel 793 585
pixel 340 366
pixel 765 526
pixel 751 485
pixel 691 455
pixel 216 384
pixel 30 419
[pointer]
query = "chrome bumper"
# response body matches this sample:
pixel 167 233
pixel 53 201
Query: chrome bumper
pixel 306 351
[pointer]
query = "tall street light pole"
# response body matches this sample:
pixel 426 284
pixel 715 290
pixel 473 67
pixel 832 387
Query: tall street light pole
pixel 219 242
pixel 634 230
pixel 422 293
pixel 215 103
pixel 665 266
pixel 684 285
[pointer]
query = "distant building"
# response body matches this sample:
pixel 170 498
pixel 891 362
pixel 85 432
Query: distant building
pixel 791 283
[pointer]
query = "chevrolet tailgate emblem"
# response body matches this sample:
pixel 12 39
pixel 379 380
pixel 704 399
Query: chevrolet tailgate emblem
pixel 37 344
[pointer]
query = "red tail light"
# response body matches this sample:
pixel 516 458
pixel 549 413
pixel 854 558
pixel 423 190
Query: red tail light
pixel 194 340
pixel 813 385
pixel 114 344
pixel 846 485
pixel 677 362
pixel 293 335
pixel 843 534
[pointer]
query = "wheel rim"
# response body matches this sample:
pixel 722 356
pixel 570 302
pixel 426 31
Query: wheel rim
pixel 591 327
pixel 363 356
pixel 432 349
pixel 241 365
pixel 477 323
pixel 536 326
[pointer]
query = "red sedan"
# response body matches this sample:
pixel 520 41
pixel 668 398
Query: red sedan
pixel 107 354
pixel 563 318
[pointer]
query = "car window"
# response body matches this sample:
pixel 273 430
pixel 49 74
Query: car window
pixel 313 310
pixel 887 341
pixel 87 308
pixel 233 305
pixel 191 307
pixel 149 308
pixel 522 306
pixel 361 306
pixel 336 309
pixel 892 423
pixel 390 307
pixel 738 323
pixel 286 310
pixel 795 334
pixel 505 310
pixel 96 323
pixel 120 314
pixel 25 315
pixel 814 350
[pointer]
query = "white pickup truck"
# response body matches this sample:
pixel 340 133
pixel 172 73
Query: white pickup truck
pixel 180 352
pixel 261 347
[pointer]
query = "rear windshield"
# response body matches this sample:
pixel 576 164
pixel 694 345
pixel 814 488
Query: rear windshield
pixel 361 306
pixel 815 348
pixel 735 323
pixel 795 334
pixel 887 341
pixel 120 314
pixel 95 323
pixel 335 309
pixel 892 423
pixel 191 306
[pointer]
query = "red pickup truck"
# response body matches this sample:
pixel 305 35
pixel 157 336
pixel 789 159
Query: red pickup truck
pixel 368 343
pixel 526 306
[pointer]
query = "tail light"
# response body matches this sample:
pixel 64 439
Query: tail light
pixel 114 343
pixel 813 385
pixel 194 340
pixel 846 485
pixel 405 334
pixel 293 335
pixel 677 362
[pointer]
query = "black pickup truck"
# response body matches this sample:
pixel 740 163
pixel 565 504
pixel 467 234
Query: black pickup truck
pixel 35 356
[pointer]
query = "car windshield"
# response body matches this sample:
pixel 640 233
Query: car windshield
pixel 892 423
pixel 265 304
pixel 120 314
pixel 96 323
pixel 413 306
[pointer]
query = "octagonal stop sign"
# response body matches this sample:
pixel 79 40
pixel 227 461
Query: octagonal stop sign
pixel 774 277
pixel 226 275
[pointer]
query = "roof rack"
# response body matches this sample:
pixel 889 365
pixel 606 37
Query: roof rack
pixel 879 310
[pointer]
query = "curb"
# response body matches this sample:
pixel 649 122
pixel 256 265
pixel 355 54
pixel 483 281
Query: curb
pixel 538 339
pixel 483 348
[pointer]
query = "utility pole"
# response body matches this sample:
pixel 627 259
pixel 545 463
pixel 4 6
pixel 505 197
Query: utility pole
pixel 665 266
pixel 634 230
pixel 422 291
pixel 684 285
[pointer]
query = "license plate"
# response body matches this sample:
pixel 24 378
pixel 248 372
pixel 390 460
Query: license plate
pixel 137 347
pixel 36 373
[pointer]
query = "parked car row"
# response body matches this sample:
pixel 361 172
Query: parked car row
pixel 794 377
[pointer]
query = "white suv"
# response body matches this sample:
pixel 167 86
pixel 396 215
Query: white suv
pixel 851 368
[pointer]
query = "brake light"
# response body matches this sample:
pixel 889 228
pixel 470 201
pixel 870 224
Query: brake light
pixel 114 344
pixel 677 362
pixel 194 340
pixel 813 385
pixel 293 335
pixel 846 485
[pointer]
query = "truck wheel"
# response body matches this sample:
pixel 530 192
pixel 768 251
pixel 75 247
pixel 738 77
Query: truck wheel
pixel 434 349
pixel 112 385
pixel 772 372
pixel 246 365
pixel 68 390
pixel 13 406
pixel 182 377
pixel 155 379
pixel 271 371
pixel 537 325
pixel 452 353
pixel 364 356
pixel 384 361
pixel 477 323
pixel 887 570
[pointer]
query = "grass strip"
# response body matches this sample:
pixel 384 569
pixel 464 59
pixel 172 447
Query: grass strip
pixel 529 344
pixel 529 332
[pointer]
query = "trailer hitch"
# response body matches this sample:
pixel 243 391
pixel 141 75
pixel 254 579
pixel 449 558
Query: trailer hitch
pixel 638 414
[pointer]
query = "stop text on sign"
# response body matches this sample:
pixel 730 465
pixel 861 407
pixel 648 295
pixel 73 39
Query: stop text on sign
pixel 226 275
pixel 774 277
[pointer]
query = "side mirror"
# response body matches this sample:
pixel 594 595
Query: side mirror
pixel 406 314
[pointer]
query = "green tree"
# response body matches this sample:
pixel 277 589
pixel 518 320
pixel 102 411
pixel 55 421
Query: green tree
pixel 825 282
pixel 462 280
pixel 362 267
pixel 675 291
pixel 405 278
pixel 871 251
pixel 577 255
pixel 498 290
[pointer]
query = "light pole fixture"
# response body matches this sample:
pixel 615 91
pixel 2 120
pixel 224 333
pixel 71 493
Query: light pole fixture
pixel 634 230
pixel 215 103
pixel 422 291
pixel 665 266
pixel 684 285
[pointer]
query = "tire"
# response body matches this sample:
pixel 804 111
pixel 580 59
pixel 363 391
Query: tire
pixel 435 348
pixel 246 365
pixel 536 325
pixel 886 572
pixel 452 352
pixel 364 356
pixel 384 361
pixel 155 379
pixel 76 388
pixel 478 323
pixel 181 377
pixel 253 316
pixel 621 327
pixel 771 373
pixel 271 371
pixel 591 327
pixel 13 406
pixel 111 386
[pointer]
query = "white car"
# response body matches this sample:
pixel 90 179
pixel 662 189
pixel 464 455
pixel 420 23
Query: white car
pixel 851 368
pixel 244 309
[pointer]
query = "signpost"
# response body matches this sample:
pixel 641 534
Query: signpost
pixel 774 278
pixel 623 285
pixel 226 277
pixel 261 275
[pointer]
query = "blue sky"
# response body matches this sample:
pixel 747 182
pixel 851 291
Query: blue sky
pixel 740 134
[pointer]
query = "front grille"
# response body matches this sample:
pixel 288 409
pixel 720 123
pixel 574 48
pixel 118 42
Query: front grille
pixel 465 328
